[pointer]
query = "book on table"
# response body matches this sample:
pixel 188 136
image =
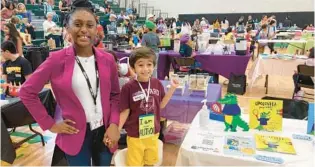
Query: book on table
pixel 274 144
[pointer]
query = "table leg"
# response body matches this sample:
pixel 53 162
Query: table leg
pixel 266 84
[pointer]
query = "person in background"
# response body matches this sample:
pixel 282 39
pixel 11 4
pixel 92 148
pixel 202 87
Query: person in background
pixel 264 20
pixel 224 24
pixel 129 27
pixel 122 15
pixel 216 25
pixel 143 148
pixel 250 40
pixel 3 4
pixel 16 69
pixel 20 26
pixel 151 40
pixel 64 8
pixel 250 22
pixel 89 103
pixel 186 28
pixel 129 10
pixel 185 49
pixel 298 93
pixel 263 34
pixel 178 26
pixel 50 28
pixel 161 26
pixel 13 35
pixel 151 17
pixel 203 22
pixel 229 35
pixel 99 35
pixel 26 19
pixel 8 11
pixel 49 8
pixel 240 25
pixel 135 38
pixel 287 22
pixel 106 4
pixel 272 32
pixel 196 29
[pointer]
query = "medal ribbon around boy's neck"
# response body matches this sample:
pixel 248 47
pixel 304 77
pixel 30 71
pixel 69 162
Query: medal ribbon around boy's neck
pixel 146 96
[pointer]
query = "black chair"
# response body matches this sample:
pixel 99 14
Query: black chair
pixel 186 62
pixel 308 72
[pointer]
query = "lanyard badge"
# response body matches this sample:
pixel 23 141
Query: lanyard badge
pixel 146 96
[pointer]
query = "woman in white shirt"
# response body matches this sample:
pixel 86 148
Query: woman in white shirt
pixel 51 30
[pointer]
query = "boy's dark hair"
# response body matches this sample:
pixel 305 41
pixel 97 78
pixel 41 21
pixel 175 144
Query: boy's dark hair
pixel 142 52
pixel 8 46
pixel 79 5
pixel 248 29
pixel 264 26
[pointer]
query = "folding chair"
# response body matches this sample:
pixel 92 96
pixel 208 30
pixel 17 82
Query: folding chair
pixel 307 71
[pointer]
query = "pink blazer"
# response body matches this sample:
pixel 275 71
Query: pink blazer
pixel 58 69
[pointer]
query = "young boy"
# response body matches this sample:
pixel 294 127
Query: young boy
pixel 16 69
pixel 140 102
pixel 151 40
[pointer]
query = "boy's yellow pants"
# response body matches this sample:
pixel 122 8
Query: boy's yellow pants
pixel 142 152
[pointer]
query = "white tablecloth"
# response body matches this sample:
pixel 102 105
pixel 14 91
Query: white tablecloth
pixel 275 67
pixel 191 157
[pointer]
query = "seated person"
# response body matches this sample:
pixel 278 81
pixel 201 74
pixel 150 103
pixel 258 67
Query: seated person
pixel 249 39
pixel 229 35
pixel 298 93
pixel 185 49
pixel 51 30
pixel 16 69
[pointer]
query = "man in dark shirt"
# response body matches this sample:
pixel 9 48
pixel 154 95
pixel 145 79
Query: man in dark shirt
pixel 16 69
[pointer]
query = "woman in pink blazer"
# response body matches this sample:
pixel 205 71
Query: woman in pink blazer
pixel 85 83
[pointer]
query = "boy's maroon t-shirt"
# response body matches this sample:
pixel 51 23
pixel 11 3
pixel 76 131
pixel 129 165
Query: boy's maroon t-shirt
pixel 137 108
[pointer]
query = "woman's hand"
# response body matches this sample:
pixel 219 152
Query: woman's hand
pixel 111 136
pixel 64 127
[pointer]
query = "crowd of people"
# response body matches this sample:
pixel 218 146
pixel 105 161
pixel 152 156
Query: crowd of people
pixel 85 77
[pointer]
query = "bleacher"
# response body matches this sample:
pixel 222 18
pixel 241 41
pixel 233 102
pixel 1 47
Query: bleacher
pixel 38 17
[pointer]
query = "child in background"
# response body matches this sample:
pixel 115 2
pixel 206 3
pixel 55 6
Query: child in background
pixel 141 101
pixel 229 34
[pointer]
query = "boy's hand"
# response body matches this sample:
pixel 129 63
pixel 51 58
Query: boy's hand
pixel 174 84
pixel 111 136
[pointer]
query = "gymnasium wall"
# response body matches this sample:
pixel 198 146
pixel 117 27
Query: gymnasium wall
pixel 299 10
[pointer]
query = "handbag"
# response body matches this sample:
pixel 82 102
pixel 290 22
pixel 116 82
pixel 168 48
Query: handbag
pixel 237 84
pixel 292 109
